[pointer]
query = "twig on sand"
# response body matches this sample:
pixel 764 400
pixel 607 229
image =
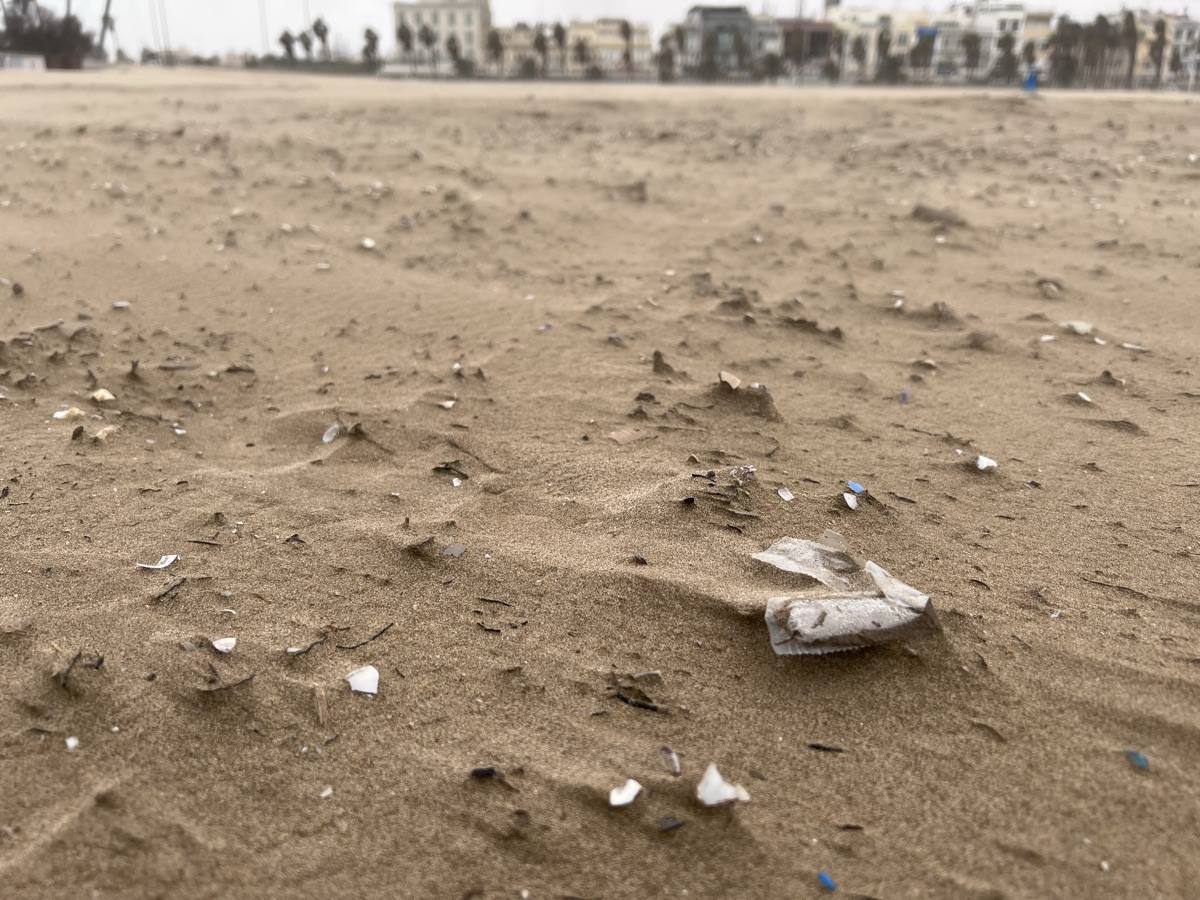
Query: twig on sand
pixel 170 589
pixel 92 660
pixel 380 633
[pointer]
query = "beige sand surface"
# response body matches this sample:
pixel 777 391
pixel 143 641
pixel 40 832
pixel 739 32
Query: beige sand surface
pixel 549 240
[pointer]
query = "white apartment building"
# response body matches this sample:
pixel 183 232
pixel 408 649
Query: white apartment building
pixel 468 20
pixel 606 47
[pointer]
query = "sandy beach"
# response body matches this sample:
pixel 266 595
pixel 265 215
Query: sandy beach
pixel 425 377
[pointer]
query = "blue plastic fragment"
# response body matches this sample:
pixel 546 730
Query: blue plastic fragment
pixel 855 486
pixel 1138 760
pixel 905 395
pixel 827 881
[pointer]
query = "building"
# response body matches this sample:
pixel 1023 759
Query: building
pixel 806 41
pixel 721 36
pixel 1185 35
pixel 990 20
pixel 606 46
pixel 468 20
pixel 29 61
pixel 517 41
pixel 766 37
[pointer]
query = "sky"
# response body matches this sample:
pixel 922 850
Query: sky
pixel 210 27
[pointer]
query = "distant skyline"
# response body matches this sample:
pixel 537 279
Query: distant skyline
pixel 208 27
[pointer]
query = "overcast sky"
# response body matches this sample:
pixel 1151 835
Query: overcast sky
pixel 220 26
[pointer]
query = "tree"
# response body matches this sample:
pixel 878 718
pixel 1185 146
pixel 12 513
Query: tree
pixel 741 50
pixel 560 41
pixel 1064 45
pixel 1158 49
pixel 1130 39
pixel 1029 54
pixel 665 59
pixel 370 51
pixel 772 67
pixel 583 53
pixel 541 47
pixel 920 57
pixel 1097 40
pixel 428 39
pixel 495 50
pixel 1006 65
pixel 453 50
pixel 883 46
pixel 971 45
pixel 858 50
pixel 404 37
pixel 106 25
pixel 30 29
pixel 305 40
pixel 289 45
pixel 710 68
pixel 1176 62
pixel 321 30
pixel 627 37
pixel 680 34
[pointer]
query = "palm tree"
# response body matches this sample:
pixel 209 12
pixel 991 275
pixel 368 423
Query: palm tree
pixel 710 68
pixel 883 47
pixel 305 40
pixel 289 45
pixel 1006 65
pixel 1064 44
pixel 404 37
pixel 858 50
pixel 1130 38
pixel 370 48
pixel 495 49
pixel 106 24
pixel 321 30
pixel 665 59
pixel 560 41
pixel 971 45
pixel 1158 49
pixel 429 39
pixel 541 47
pixel 740 50
pixel 627 56
pixel 920 57
pixel 582 52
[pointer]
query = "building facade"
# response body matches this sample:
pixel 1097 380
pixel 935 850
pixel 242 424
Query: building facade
pixel 468 20
pixel 807 41
pixel 767 37
pixel 720 35
pixel 606 47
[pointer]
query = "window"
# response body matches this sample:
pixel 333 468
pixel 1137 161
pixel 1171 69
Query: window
pixel 417 17
pixel 469 38
pixel 433 17
pixel 450 19
pixel 467 18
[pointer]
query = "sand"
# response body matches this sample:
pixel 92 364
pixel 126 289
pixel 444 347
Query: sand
pixel 534 246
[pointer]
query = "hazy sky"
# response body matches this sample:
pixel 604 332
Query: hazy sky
pixel 218 26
